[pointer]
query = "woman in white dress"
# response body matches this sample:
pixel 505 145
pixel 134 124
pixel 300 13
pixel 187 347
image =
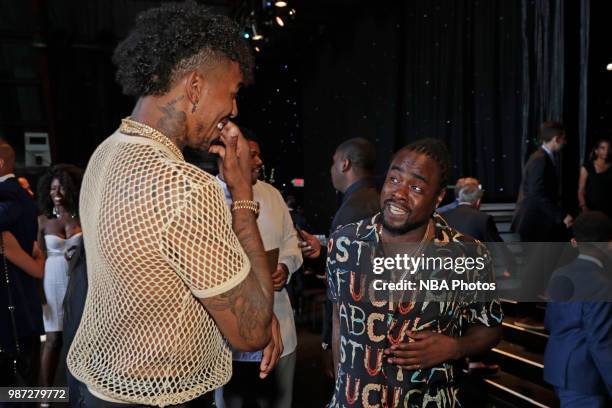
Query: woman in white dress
pixel 59 233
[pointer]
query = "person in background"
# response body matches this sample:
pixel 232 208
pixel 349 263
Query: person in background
pixel 539 218
pixel 352 172
pixel 578 355
pixel 458 185
pixel 74 303
pixel 20 312
pixel 280 242
pixel 595 182
pixel 468 218
pixel 59 231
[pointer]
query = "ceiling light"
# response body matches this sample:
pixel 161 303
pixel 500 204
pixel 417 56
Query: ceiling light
pixel 280 21
pixel 609 67
pixel 280 4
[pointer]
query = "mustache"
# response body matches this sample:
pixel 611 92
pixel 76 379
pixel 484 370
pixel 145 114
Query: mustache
pixel 392 201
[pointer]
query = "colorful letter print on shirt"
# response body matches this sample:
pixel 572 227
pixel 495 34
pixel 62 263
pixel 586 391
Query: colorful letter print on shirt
pixel 372 320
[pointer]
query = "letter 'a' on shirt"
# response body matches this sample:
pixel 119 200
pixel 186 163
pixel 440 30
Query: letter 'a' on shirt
pixel 158 236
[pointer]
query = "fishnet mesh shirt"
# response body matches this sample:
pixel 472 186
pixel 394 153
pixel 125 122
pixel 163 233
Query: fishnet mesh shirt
pixel 157 235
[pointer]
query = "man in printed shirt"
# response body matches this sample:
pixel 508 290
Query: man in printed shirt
pixel 277 232
pixel 399 353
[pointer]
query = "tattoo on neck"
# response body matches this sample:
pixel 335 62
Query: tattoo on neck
pixel 173 122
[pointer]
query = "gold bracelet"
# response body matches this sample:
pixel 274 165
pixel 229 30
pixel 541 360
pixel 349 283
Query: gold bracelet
pixel 246 205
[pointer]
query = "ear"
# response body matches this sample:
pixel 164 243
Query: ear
pixel 194 86
pixel 346 165
pixel 440 197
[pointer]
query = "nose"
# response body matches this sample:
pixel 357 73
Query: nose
pixel 234 109
pixel 400 194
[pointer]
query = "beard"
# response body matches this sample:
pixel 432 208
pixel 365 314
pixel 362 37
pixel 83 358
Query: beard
pixel 403 228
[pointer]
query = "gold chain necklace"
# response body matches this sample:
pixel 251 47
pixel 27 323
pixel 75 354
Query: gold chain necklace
pixel 133 128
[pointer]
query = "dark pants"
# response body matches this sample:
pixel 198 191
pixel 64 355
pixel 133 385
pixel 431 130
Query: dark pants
pixel 87 400
pixel 28 365
pixel 275 391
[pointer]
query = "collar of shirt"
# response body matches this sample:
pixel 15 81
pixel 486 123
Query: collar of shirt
pixel 228 196
pixel 590 258
pixel 364 182
pixel 549 153
pixel 6 177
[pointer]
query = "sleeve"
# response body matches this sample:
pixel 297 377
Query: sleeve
pixel 484 307
pixel 331 271
pixel 10 210
pixel 597 320
pixel 537 184
pixel 200 245
pixel 491 232
pixel 290 253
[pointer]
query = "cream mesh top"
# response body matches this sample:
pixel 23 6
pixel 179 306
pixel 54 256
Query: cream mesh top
pixel 157 235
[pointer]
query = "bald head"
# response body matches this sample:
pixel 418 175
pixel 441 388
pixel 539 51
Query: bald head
pixel 7 159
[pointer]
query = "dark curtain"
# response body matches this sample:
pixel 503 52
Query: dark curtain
pixel 450 70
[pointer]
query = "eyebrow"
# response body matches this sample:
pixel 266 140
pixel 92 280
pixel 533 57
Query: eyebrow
pixel 413 174
pixel 418 176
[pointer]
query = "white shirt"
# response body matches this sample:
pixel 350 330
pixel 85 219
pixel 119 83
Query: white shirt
pixel 6 177
pixel 277 231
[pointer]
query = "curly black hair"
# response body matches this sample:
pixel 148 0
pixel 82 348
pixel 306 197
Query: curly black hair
pixel 173 39
pixel 437 150
pixel 70 178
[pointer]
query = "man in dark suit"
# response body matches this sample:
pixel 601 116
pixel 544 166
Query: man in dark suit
pixel 352 174
pixel 20 329
pixel 539 216
pixel 468 218
pixel 578 356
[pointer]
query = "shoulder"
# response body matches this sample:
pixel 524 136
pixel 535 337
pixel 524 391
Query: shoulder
pixel 42 219
pixel 359 230
pixel 267 188
pixel 447 235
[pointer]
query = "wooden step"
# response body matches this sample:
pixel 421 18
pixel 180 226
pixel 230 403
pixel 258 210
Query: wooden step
pixel 519 361
pixel 532 340
pixel 512 391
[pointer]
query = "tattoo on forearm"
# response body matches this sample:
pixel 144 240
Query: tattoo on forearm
pixel 247 302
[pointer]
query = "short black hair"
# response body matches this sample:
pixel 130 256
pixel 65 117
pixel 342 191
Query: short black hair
pixel 70 177
pixel 436 150
pixel 360 152
pixel 550 129
pixel 173 39
pixel 249 135
pixel 593 226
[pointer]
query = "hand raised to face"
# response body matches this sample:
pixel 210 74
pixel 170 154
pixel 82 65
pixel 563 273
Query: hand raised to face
pixel 235 161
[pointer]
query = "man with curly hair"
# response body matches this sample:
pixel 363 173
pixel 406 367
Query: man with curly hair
pixel 174 275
